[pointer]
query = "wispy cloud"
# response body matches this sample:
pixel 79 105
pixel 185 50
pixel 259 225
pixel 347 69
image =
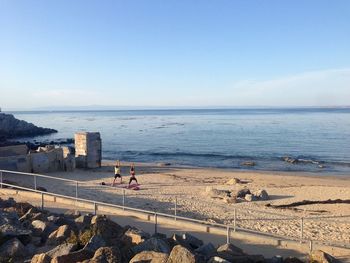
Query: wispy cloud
pixel 316 88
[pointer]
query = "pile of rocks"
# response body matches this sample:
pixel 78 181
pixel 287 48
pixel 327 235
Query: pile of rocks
pixel 234 196
pixel 30 235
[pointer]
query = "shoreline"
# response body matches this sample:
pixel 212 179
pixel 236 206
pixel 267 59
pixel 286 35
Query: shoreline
pixel 325 174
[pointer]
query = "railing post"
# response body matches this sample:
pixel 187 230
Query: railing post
pixel 228 232
pixel 310 246
pixel 123 199
pixel 76 189
pixel 301 229
pixel 234 219
pixel 175 208
pixel 155 222
pixel 95 209
pixel 42 201
pixel 1 178
pixel 34 182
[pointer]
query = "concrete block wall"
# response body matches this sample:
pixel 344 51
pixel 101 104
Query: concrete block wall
pixel 88 149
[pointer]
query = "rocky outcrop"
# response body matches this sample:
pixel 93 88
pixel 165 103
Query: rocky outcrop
pixel 11 127
pixel 43 237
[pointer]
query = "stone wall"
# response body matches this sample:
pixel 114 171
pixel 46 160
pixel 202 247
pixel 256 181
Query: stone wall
pixel 88 149
pixel 13 150
pixel 46 159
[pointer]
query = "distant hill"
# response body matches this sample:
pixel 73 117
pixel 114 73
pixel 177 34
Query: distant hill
pixel 10 127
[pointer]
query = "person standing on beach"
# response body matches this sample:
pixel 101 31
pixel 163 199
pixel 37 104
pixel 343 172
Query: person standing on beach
pixel 132 174
pixel 117 172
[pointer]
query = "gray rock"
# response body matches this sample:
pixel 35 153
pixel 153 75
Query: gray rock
pixel 208 250
pixel 41 258
pixel 242 193
pixel 182 254
pixel 59 235
pixel 39 227
pixel 250 197
pixel 12 248
pixel 150 256
pixel 74 257
pixel 228 251
pixel 217 259
pixel 152 244
pixel 322 257
pixel 83 219
pixel 107 255
pixel 262 195
pixel 192 241
pixel 62 249
pixel 292 260
pixel 95 243
pixel 135 236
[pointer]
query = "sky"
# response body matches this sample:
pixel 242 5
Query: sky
pixel 174 53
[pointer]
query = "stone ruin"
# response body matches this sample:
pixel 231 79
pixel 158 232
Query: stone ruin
pixel 88 149
pixel 46 159
pixel 88 154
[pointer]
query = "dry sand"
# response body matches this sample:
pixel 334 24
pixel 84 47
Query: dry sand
pixel 160 185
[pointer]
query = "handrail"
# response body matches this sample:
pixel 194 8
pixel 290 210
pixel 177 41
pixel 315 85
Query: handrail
pixel 41 175
pixel 176 217
pixel 15 187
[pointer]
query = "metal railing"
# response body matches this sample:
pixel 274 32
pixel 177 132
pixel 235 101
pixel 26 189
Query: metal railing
pixel 175 216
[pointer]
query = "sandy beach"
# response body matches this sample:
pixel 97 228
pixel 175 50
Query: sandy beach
pixel 161 185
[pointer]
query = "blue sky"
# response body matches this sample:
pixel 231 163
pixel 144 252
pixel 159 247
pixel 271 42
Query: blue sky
pixel 174 53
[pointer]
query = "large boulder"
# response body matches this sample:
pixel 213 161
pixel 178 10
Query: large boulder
pixel 95 243
pixel 320 256
pixel 207 250
pixel 152 244
pixel 182 254
pixel 62 249
pixel 73 257
pixel 12 249
pixel 229 251
pixel 106 255
pixel 192 241
pixel 250 197
pixel 41 258
pixel 39 227
pixel 150 256
pixel 106 228
pixel 59 235
pixel 9 230
pixel 135 236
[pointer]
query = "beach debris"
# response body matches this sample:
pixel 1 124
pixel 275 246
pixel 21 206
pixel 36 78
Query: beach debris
pixel 310 202
pixel 216 193
pixel 262 195
pixel 233 181
pixel 242 193
pixel 250 197
pixel 320 256
pixel 230 199
pixel 290 160
pixel 248 163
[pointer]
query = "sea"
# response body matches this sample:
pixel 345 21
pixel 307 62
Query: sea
pixel 316 140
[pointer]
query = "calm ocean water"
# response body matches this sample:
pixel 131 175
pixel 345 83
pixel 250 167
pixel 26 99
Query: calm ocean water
pixel 218 138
